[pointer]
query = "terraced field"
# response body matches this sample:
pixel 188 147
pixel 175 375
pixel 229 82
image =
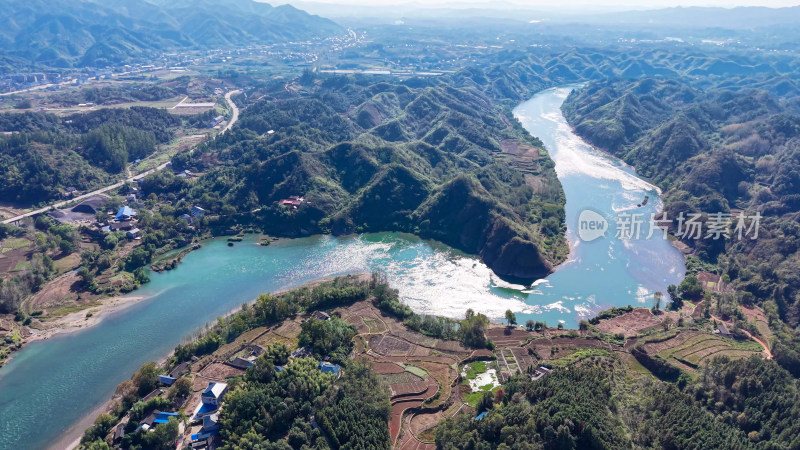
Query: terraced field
pixel 419 370
pixel 755 315
pixel 695 348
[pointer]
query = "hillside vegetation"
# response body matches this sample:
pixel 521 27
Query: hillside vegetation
pixel 61 33
pixel 389 157
pixel 715 150
pixel 50 153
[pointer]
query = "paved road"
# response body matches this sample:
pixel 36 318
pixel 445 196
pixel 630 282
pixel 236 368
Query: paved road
pixel 234 118
pixel 234 115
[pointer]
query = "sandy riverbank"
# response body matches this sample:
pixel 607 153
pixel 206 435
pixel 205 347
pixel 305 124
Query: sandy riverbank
pixel 78 320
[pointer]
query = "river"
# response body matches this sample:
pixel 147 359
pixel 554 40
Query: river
pixel 50 385
pixel 607 271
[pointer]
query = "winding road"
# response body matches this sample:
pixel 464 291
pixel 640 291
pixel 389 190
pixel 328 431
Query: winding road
pixel 234 111
pixel 234 118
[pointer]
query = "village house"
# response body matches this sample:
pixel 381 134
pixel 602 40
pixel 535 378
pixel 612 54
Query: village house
pixel 121 226
pixel 166 380
pixel 240 363
pixel 125 213
pixel 70 192
pixel 214 393
pixel 539 373
pixel 321 315
pixel 119 433
pixel 215 121
pixel 301 352
pixel 155 418
pixel 179 369
pixel 210 400
pixel 204 437
pixel 211 423
pixel 293 201
pixel 133 233
pixel 197 211
pixel 326 367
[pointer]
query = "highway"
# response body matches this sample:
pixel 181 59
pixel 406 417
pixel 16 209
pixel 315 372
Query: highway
pixel 234 118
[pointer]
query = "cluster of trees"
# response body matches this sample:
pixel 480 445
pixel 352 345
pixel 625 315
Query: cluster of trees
pixel 269 309
pixel 332 337
pixel 268 405
pixel 567 409
pixel 729 404
pixel 145 92
pixel 35 167
pixel 754 395
pixel 274 409
pixel 111 146
pixel 610 314
pixel 689 289
pixel 82 150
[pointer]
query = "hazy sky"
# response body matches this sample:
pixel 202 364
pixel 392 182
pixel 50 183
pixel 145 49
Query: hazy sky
pixel 549 4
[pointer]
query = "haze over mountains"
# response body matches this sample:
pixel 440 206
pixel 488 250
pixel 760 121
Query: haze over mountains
pixel 63 33
pixel 741 17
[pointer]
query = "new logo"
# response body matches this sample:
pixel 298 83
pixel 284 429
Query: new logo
pixel 591 225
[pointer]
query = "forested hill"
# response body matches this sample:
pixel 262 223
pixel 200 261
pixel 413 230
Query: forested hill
pixel 49 153
pixel 66 33
pixel 434 161
pixel 716 150
pixel 512 76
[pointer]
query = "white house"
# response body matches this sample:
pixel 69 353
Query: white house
pixel 213 394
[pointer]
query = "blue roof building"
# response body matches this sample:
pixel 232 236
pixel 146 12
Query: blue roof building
pixel 327 367
pixel 164 379
pixel 481 415
pixel 163 417
pixel 125 213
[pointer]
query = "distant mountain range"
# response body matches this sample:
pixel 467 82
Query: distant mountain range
pixel 600 13
pixel 65 33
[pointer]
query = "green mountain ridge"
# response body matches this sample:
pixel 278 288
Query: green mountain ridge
pixel 387 157
pixel 717 151
pixel 83 33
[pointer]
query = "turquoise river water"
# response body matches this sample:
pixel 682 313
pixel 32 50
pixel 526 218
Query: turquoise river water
pixel 52 384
